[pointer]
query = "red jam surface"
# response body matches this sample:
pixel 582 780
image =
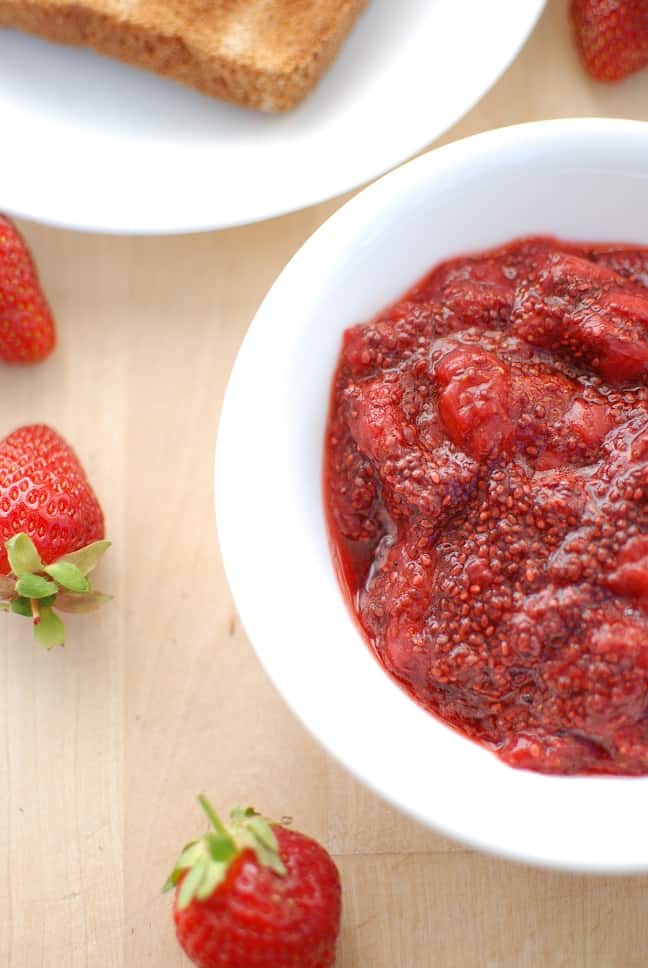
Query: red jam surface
pixel 486 480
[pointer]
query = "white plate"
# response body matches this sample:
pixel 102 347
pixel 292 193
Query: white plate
pixel 584 179
pixel 91 144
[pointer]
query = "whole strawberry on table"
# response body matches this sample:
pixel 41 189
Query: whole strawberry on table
pixel 51 531
pixel 255 894
pixel 27 331
pixel 611 36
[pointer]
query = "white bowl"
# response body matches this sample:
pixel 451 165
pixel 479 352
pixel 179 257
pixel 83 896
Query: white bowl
pixel 584 179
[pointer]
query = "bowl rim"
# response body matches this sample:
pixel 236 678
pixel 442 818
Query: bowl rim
pixel 326 238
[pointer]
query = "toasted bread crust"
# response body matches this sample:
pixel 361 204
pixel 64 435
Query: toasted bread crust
pixel 264 54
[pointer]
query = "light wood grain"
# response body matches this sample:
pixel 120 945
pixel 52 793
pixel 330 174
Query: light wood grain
pixel 104 745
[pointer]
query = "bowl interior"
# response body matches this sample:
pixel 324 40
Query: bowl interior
pixel 584 180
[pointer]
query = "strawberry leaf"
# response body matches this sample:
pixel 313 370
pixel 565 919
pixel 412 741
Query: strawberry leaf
pixel 35 586
pixel 78 603
pixel 253 831
pixel 263 832
pixel 21 606
pixel 190 855
pixel 203 864
pixel 68 576
pixel 38 587
pixel 22 554
pixel 191 882
pixel 50 631
pixel 86 559
pixel 213 876
pixel 171 881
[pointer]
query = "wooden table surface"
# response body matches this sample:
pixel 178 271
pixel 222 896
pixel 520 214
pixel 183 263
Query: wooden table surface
pixel 104 745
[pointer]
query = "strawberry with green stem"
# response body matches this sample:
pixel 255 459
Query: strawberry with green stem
pixel 52 528
pixel 255 894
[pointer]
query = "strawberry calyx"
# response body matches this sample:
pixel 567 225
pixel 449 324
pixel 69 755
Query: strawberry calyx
pixel 203 864
pixel 34 589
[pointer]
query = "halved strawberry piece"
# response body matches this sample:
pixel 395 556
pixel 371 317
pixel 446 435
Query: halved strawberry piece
pixel 579 310
pixel 474 401
pixel 590 420
pixel 630 577
pixel 395 442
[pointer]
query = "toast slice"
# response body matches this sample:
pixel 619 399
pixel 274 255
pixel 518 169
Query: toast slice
pixel 265 54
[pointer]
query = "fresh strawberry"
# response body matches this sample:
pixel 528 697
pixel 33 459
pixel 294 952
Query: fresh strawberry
pixel 27 332
pixel 611 36
pixel 51 531
pixel 255 895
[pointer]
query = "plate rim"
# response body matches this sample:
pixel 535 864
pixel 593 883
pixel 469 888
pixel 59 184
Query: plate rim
pixel 308 196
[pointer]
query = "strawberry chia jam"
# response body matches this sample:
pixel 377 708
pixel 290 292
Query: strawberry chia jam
pixel 486 481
